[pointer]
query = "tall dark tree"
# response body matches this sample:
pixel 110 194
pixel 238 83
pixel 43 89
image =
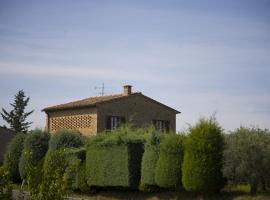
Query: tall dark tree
pixel 16 118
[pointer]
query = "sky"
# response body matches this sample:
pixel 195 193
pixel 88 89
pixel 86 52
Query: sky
pixel 199 57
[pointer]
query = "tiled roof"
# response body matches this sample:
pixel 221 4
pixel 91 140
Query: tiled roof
pixel 93 101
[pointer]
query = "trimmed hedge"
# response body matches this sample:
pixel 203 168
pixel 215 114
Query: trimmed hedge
pixel 168 169
pixel 12 157
pixel 36 144
pixel 149 161
pixel 203 157
pixel 54 184
pixel 114 160
pixel 81 181
pixel 74 159
pixel 117 165
pixel 66 139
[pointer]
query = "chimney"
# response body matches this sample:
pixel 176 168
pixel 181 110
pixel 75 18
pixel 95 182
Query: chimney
pixel 127 90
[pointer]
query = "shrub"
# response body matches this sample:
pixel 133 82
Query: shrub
pixel 74 158
pixel 114 160
pixel 12 157
pixel 5 185
pixel 149 161
pixel 203 157
pixel 81 181
pixel 168 169
pixel 66 139
pixel 36 144
pixel 34 176
pixel 53 185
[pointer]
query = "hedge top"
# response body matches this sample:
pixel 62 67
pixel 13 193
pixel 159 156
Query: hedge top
pixel 122 135
pixel 66 139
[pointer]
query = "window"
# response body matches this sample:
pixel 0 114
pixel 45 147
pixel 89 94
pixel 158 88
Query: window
pixel 161 125
pixel 114 122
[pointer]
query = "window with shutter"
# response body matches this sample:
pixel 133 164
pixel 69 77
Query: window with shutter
pixel 113 122
pixel 162 125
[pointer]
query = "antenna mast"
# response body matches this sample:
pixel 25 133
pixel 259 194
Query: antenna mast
pixel 102 88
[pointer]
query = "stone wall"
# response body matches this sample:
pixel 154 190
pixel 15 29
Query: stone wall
pixel 138 110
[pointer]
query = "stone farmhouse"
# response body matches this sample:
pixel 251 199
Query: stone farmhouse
pixel 96 114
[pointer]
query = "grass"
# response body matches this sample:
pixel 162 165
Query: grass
pixel 239 192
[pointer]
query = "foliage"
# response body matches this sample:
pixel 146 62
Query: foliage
pixel 58 175
pixel 122 135
pixel 247 157
pixel 16 118
pixel 34 176
pixel 12 157
pixel 71 172
pixel 66 139
pixel 114 159
pixel 54 185
pixel 81 181
pixel 203 157
pixel 149 161
pixel 168 169
pixel 5 185
pixel 36 144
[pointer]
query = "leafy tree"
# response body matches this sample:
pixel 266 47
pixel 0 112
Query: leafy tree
pixel 202 167
pixel 247 157
pixel 16 118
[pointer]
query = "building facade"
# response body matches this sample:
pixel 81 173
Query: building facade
pixel 96 114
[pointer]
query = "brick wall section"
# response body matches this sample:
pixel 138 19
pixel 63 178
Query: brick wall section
pixel 137 110
pixel 81 119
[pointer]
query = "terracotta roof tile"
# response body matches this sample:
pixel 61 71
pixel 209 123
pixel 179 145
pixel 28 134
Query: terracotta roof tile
pixel 93 101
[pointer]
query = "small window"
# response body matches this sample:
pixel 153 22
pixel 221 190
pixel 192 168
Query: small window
pixel 161 125
pixel 114 122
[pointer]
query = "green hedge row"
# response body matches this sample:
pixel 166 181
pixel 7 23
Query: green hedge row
pixel 168 169
pixel 125 157
pixel 149 161
pixel 114 159
pixel 115 165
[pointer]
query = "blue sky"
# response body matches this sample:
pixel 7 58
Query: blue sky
pixel 198 57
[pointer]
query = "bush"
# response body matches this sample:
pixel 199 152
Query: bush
pixel 203 157
pixel 81 181
pixel 114 160
pixel 5 185
pixel 36 144
pixel 168 169
pixel 54 185
pixel 74 158
pixel 66 139
pixel 12 157
pixel 149 161
pixel 58 175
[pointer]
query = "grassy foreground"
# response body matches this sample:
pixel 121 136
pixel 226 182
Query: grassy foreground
pixel 240 192
pixel 170 195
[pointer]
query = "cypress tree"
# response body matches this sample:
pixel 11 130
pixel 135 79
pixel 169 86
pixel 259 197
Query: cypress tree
pixel 203 157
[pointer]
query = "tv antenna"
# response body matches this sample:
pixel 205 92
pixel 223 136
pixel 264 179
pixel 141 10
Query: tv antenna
pixel 102 88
